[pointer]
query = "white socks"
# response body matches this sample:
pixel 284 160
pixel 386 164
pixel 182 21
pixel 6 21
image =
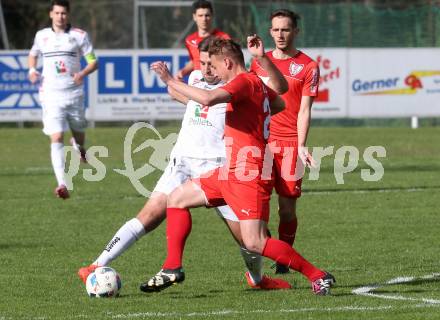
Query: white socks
pixel 254 263
pixel 130 232
pixel 58 161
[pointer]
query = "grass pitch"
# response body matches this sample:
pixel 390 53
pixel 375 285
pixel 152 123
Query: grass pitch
pixel 365 233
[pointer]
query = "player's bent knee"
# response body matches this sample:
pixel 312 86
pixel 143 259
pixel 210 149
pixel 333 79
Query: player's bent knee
pixel 176 200
pixel 254 244
pixel 147 215
pixel 57 137
pixel 186 196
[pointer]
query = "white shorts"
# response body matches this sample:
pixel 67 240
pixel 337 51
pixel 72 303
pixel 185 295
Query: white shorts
pixel 181 169
pixel 226 212
pixel 60 115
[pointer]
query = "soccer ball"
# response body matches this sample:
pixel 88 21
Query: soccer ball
pixel 104 282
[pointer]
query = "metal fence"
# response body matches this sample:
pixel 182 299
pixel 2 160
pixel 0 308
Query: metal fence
pixel 348 23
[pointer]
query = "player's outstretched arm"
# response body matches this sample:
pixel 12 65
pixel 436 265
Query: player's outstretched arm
pixel 177 96
pixel 277 82
pixel 204 97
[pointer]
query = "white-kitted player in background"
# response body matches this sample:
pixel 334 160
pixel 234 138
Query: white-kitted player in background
pixel 61 84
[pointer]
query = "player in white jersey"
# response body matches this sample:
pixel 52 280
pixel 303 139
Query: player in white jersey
pixel 61 84
pixel 199 149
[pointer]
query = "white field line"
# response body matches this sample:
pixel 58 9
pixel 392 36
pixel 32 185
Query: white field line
pixel 368 290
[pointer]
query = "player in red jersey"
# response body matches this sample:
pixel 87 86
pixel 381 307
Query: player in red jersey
pixel 242 182
pixel 288 129
pixel 202 16
pixel 199 148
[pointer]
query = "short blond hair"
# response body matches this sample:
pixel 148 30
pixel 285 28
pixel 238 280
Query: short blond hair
pixel 226 47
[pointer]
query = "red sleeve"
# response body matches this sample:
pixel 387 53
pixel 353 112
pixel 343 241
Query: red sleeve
pixel 311 80
pixel 253 67
pixel 238 88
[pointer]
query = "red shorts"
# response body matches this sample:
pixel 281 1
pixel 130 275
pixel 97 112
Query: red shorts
pixel 248 199
pixel 287 170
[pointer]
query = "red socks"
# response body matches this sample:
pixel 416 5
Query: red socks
pixel 281 252
pixel 287 231
pixel 178 228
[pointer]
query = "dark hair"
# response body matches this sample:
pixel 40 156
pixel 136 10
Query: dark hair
pixel 204 44
pixel 293 16
pixel 61 3
pixel 226 47
pixel 202 4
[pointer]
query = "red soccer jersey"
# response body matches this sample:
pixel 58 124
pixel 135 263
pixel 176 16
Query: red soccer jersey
pixel 247 121
pixel 302 75
pixel 192 44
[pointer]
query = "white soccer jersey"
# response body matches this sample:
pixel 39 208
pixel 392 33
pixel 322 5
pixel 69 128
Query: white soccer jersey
pixel 61 54
pixel 201 135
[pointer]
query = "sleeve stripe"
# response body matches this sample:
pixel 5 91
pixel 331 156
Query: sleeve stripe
pixel 90 57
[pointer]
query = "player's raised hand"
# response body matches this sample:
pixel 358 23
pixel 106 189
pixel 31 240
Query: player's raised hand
pixel 306 157
pixel 162 70
pixel 255 46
